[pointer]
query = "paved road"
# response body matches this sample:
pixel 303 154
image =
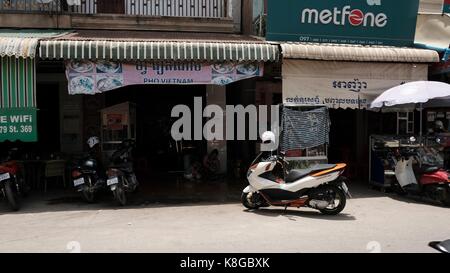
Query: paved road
pixel 372 221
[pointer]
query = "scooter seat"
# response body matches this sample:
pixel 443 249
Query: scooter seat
pixel 429 169
pixel 295 175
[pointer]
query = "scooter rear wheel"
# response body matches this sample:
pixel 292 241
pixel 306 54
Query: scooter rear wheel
pixel 87 193
pixel 120 194
pixel 446 202
pixel 339 193
pixel 11 196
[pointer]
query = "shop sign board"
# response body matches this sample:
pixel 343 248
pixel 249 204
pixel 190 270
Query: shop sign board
pixel 87 77
pixel 18 124
pixel 368 22
pixel 344 84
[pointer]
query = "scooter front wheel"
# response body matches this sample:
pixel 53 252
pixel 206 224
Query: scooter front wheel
pixel 248 202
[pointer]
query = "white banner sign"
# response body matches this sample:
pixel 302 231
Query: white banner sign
pixel 344 84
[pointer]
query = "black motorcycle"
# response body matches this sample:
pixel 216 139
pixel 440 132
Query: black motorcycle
pixel 121 177
pixel 87 177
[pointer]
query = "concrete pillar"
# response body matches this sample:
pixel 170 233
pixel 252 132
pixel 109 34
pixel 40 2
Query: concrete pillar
pixel 362 143
pixel 217 95
pixel 247 17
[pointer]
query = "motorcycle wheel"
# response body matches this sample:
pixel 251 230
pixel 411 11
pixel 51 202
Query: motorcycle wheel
pixel 87 194
pixel 398 189
pixel 120 195
pixel 248 204
pixel 446 202
pixel 11 196
pixel 342 201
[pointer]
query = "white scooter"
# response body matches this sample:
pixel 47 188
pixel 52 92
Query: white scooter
pixel 320 187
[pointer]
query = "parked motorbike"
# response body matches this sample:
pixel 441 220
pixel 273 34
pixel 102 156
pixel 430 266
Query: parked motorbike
pixel 11 183
pixel 86 175
pixel 321 187
pixel 121 176
pixel 443 247
pixel 423 178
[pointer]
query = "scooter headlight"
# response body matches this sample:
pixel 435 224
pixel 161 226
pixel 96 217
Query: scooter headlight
pixel 251 169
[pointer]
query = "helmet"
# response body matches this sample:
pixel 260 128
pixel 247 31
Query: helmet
pixel 92 141
pixel 439 124
pixel 268 137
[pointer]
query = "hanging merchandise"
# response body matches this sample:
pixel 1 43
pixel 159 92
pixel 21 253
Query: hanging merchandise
pixel 304 129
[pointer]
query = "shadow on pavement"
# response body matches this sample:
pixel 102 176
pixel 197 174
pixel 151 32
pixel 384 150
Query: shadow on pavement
pixel 171 194
pixel 150 195
pixel 293 214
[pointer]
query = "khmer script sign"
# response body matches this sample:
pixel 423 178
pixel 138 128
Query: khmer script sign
pixel 87 77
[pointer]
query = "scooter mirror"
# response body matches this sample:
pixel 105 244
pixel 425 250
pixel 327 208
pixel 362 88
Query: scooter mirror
pixel 443 247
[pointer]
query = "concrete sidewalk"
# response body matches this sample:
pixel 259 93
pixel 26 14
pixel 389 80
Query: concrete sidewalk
pixel 371 222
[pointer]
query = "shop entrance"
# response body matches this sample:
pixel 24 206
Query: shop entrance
pixel 349 138
pixel 157 155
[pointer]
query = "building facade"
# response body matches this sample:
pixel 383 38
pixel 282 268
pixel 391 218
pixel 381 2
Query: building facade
pixel 167 52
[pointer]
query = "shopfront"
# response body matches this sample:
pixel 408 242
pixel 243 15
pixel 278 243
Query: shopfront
pixel 351 52
pixel 126 88
pixel 347 88
pixel 18 104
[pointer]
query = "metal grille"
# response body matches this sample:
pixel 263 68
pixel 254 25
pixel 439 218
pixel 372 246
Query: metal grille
pixel 28 6
pixel 177 8
pixel 173 8
pixel 87 7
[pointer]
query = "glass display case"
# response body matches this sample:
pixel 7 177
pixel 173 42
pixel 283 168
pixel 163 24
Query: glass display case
pixel 383 154
pixel 386 150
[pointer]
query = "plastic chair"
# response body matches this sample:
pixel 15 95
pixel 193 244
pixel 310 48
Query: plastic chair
pixel 54 168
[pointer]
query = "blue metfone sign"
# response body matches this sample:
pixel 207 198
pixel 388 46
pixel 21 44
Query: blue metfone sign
pixel 446 7
pixel 369 22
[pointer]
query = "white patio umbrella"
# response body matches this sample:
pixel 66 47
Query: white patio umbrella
pixel 411 93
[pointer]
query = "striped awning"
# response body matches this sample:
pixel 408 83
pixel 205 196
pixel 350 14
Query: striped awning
pixel 158 50
pixel 19 47
pixel 17 82
pixel 357 53
pixel 23 43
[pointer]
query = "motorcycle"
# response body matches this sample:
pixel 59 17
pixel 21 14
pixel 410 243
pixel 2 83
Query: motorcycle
pixel 10 183
pixel 320 187
pixel 426 179
pixel 86 176
pixel 121 176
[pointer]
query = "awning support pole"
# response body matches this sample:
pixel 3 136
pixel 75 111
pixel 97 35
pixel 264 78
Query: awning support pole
pixel 421 125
